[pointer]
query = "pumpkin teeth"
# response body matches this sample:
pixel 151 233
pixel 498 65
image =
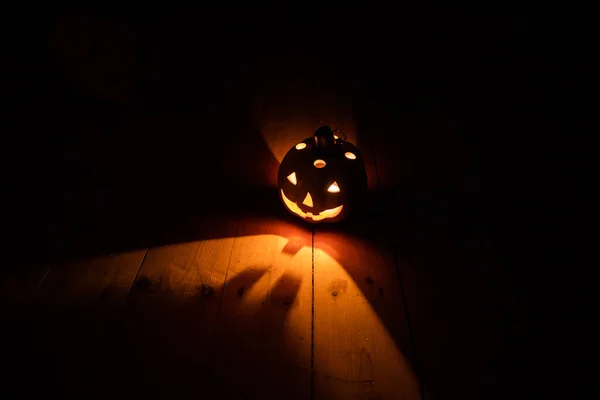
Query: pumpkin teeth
pixel 293 207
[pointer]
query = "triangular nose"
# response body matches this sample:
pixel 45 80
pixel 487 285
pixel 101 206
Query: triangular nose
pixel 308 200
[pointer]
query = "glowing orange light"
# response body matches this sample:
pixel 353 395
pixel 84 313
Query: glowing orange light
pixel 292 178
pixel 319 163
pixel 308 200
pixel 350 156
pixel 334 188
pixel 300 146
pixel 335 137
pixel 293 207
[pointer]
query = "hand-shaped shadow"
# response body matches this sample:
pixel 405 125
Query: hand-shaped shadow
pixel 225 341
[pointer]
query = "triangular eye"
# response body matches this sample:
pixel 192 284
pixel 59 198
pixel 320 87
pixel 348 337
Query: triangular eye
pixel 334 188
pixel 292 178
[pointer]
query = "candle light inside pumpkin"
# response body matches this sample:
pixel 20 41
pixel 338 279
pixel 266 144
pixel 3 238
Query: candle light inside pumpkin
pixel 322 178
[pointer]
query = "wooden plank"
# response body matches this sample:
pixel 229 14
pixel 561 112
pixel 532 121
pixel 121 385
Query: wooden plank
pixel 461 303
pixel 457 295
pixel 19 283
pixel 262 345
pixel 168 319
pixel 361 344
pixel 62 335
pixel 99 282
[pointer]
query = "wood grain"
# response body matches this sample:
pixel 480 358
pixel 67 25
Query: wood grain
pixel 361 339
pixel 103 281
pixel 18 284
pixel 263 341
pixel 461 307
pixel 457 295
pixel 62 337
pixel 169 316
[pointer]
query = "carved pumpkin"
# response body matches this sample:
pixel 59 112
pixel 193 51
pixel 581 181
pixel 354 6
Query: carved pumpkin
pixel 322 178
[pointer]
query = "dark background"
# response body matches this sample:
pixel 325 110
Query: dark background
pixel 470 111
pixel 506 82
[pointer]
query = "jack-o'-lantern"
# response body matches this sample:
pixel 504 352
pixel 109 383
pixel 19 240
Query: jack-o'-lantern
pixel 322 178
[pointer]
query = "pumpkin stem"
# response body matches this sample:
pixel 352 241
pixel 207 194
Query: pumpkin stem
pixel 324 137
pixel 340 132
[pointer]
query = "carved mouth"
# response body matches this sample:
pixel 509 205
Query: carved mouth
pixel 293 207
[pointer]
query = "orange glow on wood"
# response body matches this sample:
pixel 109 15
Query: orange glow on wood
pixel 356 344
